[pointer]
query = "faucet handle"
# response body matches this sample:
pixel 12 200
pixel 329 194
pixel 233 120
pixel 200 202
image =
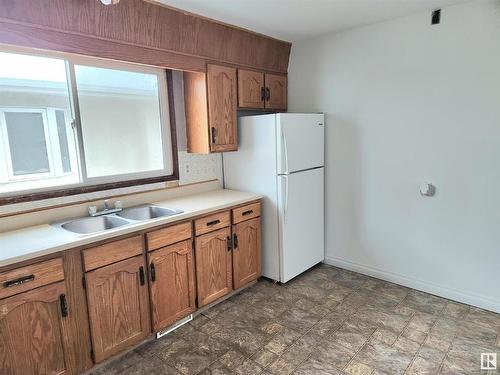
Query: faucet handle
pixel 106 204
pixel 92 210
pixel 118 205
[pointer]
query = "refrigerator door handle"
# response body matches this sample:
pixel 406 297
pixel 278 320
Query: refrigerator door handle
pixel 285 150
pixel 285 203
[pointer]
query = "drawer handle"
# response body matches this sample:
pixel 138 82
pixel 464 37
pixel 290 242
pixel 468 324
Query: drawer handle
pixel 212 223
pixel 19 281
pixel 247 212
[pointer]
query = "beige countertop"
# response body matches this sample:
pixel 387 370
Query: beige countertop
pixel 33 242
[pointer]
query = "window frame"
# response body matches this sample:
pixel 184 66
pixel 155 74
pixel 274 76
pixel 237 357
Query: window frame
pixel 94 184
pixel 11 176
pixel 52 142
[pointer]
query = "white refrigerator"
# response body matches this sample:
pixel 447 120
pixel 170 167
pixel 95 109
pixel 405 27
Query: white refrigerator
pixel 281 156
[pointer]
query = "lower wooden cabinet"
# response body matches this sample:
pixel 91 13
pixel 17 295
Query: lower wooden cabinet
pixel 213 265
pixel 173 289
pixel 246 252
pixel 34 332
pixel 118 303
pixel 43 307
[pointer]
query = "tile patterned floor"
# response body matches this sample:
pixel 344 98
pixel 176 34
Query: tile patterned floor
pixel 326 321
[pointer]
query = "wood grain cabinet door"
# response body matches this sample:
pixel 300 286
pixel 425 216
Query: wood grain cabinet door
pixel 34 332
pixel 246 252
pixel 276 91
pixel 171 271
pixel 213 265
pixel 222 102
pixel 251 91
pixel 118 306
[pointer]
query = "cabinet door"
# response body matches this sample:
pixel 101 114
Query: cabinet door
pixel 246 252
pixel 213 265
pixel 251 92
pixel 221 88
pixel 172 284
pixel 276 91
pixel 34 332
pixel 118 306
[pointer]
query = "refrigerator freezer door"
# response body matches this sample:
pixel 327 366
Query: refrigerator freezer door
pixel 301 221
pixel 300 141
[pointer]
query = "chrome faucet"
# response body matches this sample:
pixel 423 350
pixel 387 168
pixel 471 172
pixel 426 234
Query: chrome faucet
pixel 106 208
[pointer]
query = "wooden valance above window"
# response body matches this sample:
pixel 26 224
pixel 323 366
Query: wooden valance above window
pixel 137 31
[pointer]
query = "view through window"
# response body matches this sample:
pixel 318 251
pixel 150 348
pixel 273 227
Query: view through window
pixel 80 121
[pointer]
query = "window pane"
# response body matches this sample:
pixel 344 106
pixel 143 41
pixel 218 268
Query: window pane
pixel 120 118
pixel 34 99
pixel 63 141
pixel 28 146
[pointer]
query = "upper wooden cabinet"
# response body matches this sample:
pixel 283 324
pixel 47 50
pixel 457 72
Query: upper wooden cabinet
pixel 171 271
pixel 210 102
pixel 258 90
pixel 35 332
pixel 222 96
pixel 251 89
pixel 118 303
pixel 276 91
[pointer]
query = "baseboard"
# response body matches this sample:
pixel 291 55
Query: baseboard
pixel 452 294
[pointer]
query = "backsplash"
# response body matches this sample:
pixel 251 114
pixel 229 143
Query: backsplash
pixel 199 167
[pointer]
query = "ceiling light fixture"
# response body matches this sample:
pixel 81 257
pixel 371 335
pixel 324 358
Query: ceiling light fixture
pixel 110 2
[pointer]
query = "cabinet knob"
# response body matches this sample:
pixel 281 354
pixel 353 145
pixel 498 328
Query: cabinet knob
pixel 153 272
pixel 214 134
pixel 64 305
pixel 141 275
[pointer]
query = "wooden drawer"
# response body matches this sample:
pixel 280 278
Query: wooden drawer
pixel 30 277
pixel 212 222
pixel 246 212
pixel 112 252
pixel 170 235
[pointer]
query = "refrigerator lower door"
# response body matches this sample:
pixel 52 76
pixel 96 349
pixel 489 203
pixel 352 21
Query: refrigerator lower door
pixel 301 221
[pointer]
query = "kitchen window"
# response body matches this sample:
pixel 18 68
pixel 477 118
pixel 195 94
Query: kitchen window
pixel 70 122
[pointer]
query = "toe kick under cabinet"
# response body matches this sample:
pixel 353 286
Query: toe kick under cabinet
pixel 63 313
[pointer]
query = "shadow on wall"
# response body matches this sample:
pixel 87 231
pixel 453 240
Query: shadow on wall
pixel 343 180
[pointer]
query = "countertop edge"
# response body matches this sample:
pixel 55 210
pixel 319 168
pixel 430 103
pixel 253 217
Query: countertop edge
pixel 83 241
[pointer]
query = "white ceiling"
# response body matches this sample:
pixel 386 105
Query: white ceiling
pixel 294 20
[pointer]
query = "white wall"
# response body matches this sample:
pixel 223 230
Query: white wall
pixel 407 102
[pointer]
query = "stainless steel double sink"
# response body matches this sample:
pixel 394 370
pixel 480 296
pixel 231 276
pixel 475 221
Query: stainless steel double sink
pixel 89 225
